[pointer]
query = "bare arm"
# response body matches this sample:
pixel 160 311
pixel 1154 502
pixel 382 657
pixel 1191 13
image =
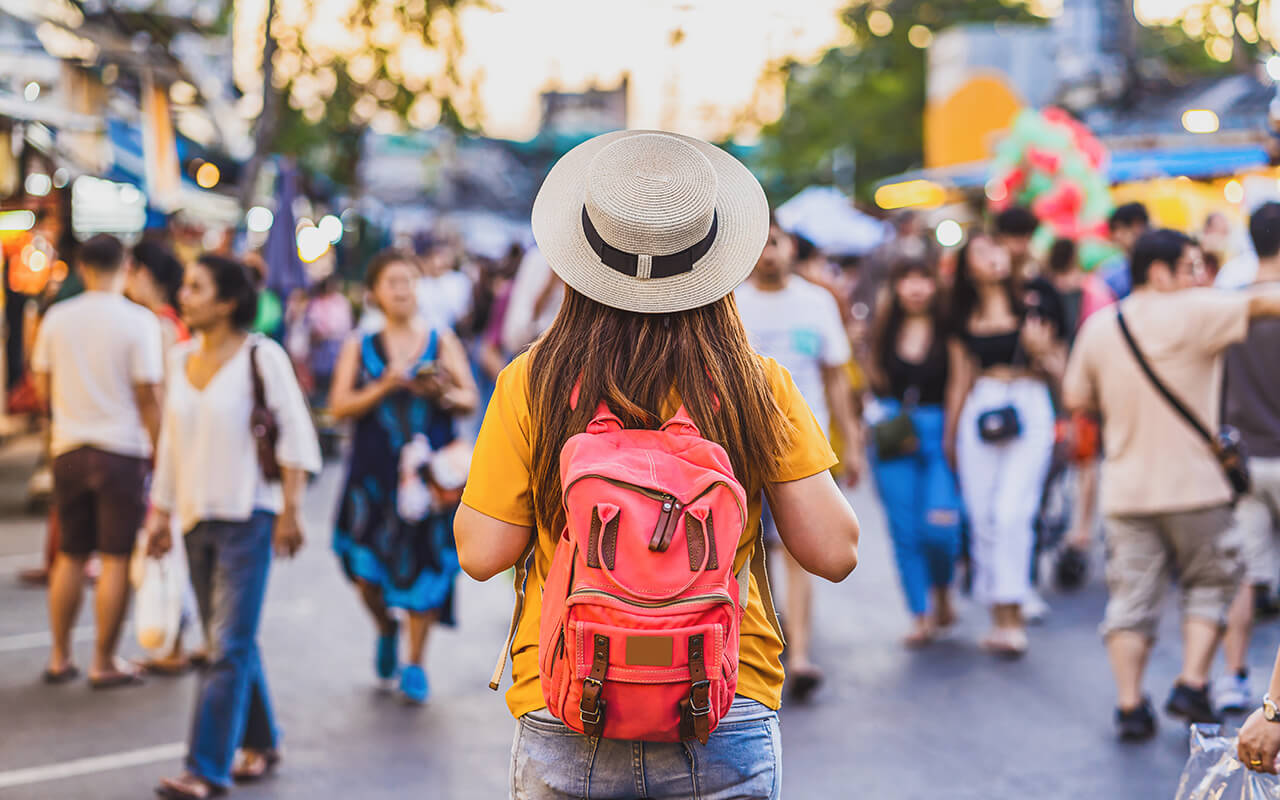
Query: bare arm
pixel 147 396
pixel 1259 740
pixel 961 374
pixel 347 402
pixel 816 524
pixel 1264 302
pixel 1081 535
pixel 288 534
pixel 1047 351
pixel 459 393
pixel 835 382
pixel 40 382
pixel 487 546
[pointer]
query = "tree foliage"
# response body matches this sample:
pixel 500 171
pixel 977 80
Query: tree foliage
pixel 387 64
pixel 1211 37
pixel 864 102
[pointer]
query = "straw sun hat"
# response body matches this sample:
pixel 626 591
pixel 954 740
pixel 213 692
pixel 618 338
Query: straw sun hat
pixel 651 222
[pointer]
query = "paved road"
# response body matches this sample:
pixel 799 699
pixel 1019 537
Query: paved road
pixel 947 723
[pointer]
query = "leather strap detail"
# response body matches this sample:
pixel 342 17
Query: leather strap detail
pixel 610 543
pixel 695 710
pixel 712 561
pixel 665 528
pixel 593 540
pixel 592 706
pixel 694 534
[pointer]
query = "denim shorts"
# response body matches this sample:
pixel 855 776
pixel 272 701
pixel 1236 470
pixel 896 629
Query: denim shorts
pixel 743 759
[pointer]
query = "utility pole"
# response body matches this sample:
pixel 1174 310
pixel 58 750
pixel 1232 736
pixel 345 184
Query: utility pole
pixel 265 129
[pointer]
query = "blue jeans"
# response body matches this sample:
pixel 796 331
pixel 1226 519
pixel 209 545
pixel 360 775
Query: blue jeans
pixel 741 760
pixel 229 563
pixel 922 503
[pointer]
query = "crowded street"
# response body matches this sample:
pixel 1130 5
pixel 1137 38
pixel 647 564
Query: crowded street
pixel 1033 728
pixel 835 398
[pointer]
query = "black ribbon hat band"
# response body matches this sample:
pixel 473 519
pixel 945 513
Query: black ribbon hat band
pixel 661 266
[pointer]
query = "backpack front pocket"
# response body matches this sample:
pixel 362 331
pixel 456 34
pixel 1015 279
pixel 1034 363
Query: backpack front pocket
pixel 646 682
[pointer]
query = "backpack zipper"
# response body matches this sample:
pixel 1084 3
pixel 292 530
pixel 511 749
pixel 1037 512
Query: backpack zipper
pixel 671 506
pixel 702 598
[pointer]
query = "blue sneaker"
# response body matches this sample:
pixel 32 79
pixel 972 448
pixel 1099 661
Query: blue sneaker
pixel 413 684
pixel 1233 695
pixel 387 661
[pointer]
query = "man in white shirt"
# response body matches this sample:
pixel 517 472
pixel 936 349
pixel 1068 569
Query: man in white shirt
pixel 98 364
pixel 798 324
pixel 444 292
pixel 536 295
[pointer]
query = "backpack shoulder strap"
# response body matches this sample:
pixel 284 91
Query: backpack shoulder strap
pixel 1164 391
pixel 521 585
pixel 758 565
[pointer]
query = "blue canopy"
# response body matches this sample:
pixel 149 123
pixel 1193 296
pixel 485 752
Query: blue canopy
pixel 1126 165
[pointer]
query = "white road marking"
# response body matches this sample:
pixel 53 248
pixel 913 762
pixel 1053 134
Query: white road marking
pixel 27 641
pixel 17 561
pixel 88 766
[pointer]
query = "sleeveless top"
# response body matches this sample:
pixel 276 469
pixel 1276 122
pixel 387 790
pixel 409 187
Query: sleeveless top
pixel 167 312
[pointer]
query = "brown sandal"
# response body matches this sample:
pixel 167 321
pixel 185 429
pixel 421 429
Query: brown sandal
pixel 254 765
pixel 188 787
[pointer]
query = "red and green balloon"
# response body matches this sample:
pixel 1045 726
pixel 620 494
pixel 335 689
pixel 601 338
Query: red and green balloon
pixel 1054 165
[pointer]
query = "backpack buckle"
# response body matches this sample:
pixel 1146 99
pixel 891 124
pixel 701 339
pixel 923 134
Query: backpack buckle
pixel 591 707
pixel 701 689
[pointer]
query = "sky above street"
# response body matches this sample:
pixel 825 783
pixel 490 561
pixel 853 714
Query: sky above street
pixel 700 86
pixel 695 66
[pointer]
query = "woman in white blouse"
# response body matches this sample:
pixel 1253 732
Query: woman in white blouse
pixel 208 475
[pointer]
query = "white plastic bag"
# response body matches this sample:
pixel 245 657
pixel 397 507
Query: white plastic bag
pixel 413 498
pixel 160 586
pixel 1214 773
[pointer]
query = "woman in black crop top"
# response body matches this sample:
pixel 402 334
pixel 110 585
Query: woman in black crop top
pixel 909 370
pixel 1000 428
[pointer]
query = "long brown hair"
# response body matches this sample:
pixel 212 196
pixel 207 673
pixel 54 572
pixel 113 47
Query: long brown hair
pixel 633 362
pixel 889 319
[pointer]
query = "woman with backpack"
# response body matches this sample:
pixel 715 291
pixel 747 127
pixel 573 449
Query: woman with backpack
pixel 1000 429
pixel 909 370
pixel 403 386
pixel 236 447
pixel 635 670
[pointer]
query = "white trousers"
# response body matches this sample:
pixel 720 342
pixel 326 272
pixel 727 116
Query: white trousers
pixel 1001 484
pixel 1258 520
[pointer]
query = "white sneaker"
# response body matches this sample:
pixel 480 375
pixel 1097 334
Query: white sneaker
pixel 1231 693
pixel 1034 608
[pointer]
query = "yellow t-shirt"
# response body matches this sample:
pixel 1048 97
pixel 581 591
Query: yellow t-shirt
pixel 499 487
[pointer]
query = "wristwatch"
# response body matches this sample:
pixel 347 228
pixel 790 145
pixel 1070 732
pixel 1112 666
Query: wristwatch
pixel 1270 710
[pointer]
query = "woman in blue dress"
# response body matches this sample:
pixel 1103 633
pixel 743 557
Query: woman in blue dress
pixel 403 386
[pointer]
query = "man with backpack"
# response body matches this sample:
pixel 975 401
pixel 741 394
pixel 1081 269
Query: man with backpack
pixel 1151 366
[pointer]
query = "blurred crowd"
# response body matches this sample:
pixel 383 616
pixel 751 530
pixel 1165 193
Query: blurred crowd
pixel 989 391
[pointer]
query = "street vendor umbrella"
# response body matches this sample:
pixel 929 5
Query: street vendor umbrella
pixel 285 272
pixel 824 216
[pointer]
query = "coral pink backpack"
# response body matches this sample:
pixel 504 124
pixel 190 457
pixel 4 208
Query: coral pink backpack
pixel 641 608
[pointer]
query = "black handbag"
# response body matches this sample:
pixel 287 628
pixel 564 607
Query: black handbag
pixel 897 437
pixel 263 423
pixel 1071 569
pixel 999 425
pixel 1227 446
